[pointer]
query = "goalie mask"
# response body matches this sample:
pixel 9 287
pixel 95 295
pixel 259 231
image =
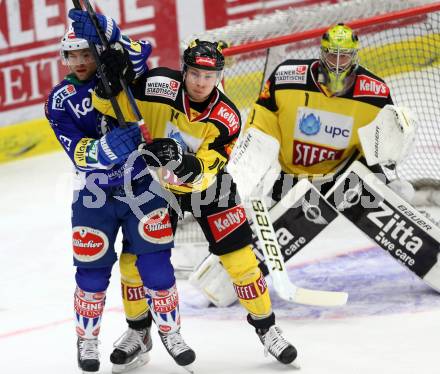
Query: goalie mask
pixel 339 58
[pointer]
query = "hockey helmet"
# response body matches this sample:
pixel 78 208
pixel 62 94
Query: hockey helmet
pixel 204 55
pixel 339 58
pixel 70 42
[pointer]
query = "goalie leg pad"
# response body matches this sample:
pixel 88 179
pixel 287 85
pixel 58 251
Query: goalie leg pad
pixel 213 281
pixel 133 295
pixel 391 222
pixel 248 281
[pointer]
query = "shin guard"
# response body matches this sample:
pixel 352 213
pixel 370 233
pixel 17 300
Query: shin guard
pixel 248 281
pixel 164 307
pixel 133 294
pixel 89 307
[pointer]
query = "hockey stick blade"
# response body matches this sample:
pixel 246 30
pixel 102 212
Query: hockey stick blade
pixel 277 268
pixel 313 297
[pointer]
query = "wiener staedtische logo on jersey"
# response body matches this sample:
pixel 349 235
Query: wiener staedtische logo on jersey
pixel 370 87
pixel 224 114
pixel 162 86
pixel 62 94
pixel 320 135
pixel 291 74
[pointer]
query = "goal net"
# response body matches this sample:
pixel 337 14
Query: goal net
pixel 399 40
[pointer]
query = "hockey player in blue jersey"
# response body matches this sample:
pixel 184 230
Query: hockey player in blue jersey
pixel 99 150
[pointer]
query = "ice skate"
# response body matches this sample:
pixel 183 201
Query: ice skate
pixel 131 350
pixel 276 345
pixel 88 355
pixel 178 349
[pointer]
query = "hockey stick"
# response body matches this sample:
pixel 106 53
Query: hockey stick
pixel 139 120
pixel 105 82
pixel 277 268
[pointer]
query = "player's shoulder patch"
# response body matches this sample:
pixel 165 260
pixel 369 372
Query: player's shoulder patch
pixel 369 85
pixel 227 114
pixel 60 93
pixel 291 71
pixel 163 82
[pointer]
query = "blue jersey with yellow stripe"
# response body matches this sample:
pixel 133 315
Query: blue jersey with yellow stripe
pixel 76 124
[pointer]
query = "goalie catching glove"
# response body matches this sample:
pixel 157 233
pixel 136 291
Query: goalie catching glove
pixel 168 153
pixel 387 141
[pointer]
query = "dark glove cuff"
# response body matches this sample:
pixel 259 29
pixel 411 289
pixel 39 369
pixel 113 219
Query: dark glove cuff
pixel 114 88
pixel 190 168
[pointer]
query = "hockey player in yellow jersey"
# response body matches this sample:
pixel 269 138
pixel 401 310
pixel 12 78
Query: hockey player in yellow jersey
pixel 194 126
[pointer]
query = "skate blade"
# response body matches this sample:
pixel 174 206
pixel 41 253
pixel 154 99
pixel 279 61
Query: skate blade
pixel 139 361
pixel 295 365
pixel 189 368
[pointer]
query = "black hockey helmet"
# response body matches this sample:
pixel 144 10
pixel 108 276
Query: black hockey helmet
pixel 205 55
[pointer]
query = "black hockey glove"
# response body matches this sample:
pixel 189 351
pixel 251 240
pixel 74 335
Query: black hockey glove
pixel 161 151
pixel 168 152
pixel 116 64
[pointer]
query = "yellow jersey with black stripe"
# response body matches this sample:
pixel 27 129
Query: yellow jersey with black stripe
pixel 317 132
pixel 166 110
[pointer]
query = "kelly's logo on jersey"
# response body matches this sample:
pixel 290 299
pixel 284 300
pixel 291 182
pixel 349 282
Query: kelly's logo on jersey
pixel 370 87
pixel 62 94
pixel 291 74
pixel 223 223
pixel 224 114
pixel 309 154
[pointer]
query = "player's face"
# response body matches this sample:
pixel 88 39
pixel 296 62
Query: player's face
pixel 81 63
pixel 200 83
pixel 338 62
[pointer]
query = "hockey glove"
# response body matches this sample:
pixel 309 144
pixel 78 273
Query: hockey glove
pixel 116 64
pixel 115 146
pixel 84 28
pixel 161 151
pixel 168 152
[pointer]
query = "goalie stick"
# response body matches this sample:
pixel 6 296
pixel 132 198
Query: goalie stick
pixel 277 268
